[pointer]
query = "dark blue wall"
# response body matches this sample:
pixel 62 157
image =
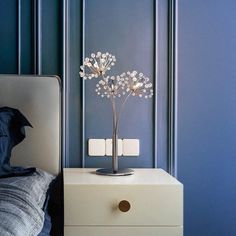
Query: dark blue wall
pixel 129 30
pixel 32 41
pixel 132 42
pixel 17 44
pixel 8 36
pixel 207 115
pixel 206 88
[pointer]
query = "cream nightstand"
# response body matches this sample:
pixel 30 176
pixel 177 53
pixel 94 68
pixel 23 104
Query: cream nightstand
pixel 148 203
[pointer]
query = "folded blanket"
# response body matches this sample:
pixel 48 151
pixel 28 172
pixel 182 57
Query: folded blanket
pixel 21 203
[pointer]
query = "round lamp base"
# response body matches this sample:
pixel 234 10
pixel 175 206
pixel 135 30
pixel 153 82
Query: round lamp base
pixel 120 172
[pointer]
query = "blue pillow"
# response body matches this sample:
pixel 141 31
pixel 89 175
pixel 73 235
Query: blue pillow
pixel 12 132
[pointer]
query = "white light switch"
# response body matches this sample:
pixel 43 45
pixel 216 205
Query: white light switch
pixel 109 147
pixel 130 147
pixel 96 147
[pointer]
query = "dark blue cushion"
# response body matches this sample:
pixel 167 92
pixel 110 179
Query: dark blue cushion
pixel 12 132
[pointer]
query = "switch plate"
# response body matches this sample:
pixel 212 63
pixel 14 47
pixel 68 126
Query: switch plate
pixel 96 147
pixel 130 147
pixel 109 147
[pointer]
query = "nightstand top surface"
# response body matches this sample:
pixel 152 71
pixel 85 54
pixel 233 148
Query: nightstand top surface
pixel 141 176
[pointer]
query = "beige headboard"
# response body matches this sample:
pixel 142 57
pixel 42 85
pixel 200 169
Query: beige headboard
pixel 39 99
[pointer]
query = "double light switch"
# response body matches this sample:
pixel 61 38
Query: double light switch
pixel 103 147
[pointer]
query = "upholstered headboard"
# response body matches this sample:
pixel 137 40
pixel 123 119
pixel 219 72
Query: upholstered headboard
pixel 39 99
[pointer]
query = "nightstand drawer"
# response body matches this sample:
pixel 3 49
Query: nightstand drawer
pixel 150 205
pixel 123 231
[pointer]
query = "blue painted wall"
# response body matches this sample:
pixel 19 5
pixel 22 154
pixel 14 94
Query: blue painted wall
pixel 207 115
pixel 206 88
pixel 51 37
pixel 8 35
pixel 74 85
pixel 127 29
pixel 132 42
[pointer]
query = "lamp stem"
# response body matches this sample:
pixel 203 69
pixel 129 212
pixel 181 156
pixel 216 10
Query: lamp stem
pixel 115 152
pixel 116 119
pixel 114 138
pixel 121 109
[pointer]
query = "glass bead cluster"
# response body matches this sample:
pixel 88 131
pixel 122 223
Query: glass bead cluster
pixel 97 65
pixel 129 83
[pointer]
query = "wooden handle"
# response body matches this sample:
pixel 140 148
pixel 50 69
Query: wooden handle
pixel 124 206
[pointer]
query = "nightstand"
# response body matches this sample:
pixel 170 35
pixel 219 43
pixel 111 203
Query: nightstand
pixel 148 203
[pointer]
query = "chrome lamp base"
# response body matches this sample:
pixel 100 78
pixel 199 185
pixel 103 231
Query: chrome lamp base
pixel 110 172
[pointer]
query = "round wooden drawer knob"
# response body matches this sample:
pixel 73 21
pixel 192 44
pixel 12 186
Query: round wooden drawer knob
pixel 124 206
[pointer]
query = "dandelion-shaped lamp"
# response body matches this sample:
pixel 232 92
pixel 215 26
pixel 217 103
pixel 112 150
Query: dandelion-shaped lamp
pixel 112 87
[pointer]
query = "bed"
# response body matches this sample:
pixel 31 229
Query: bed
pixel 38 98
